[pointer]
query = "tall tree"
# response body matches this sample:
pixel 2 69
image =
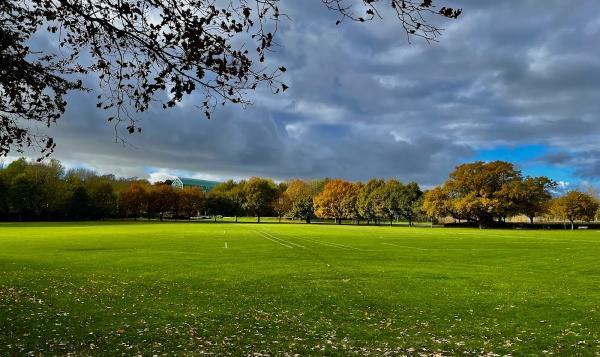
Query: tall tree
pixel 104 199
pixel 386 200
pixel 191 201
pixel 532 196
pixel 23 195
pixel 140 49
pixel 410 201
pixel 477 190
pixel 3 198
pixel 133 201
pixel 350 203
pixel 365 201
pixel 332 201
pixel 282 204
pixel 80 204
pixel 575 206
pixel 259 195
pixel 436 203
pixel 218 203
pixel 162 199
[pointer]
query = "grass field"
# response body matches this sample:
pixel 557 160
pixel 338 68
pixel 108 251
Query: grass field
pixel 285 289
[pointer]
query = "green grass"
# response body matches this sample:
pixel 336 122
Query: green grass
pixel 173 288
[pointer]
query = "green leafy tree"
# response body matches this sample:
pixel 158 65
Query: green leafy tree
pixel 409 201
pixel 3 198
pixel 23 195
pixel 304 209
pixel 365 201
pixel 259 195
pixel 80 204
pixel 386 200
pixel 104 199
pixel 218 203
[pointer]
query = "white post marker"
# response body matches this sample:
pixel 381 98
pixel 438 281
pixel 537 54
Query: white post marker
pixel 225 245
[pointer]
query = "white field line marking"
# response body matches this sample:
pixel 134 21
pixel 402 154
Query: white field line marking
pixel 274 241
pixel 495 235
pixel 328 244
pixel 283 240
pixel 405 246
pixel 557 240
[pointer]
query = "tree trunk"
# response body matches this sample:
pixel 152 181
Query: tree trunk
pixel 279 219
pixel 236 219
pixel 572 225
pixel 257 219
pixel 531 220
pixel 368 222
pixel 339 221
pixel 308 219
pixel 391 221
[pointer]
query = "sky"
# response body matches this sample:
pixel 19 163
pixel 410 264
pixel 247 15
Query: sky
pixel 509 80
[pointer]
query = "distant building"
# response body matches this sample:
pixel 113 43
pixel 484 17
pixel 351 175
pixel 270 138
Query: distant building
pixel 181 183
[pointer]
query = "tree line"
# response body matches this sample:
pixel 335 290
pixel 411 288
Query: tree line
pixel 488 193
pixel 479 193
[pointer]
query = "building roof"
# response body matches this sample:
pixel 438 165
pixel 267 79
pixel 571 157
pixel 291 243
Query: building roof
pixel 208 185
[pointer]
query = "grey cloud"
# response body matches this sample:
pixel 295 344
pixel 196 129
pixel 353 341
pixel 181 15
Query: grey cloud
pixel 362 102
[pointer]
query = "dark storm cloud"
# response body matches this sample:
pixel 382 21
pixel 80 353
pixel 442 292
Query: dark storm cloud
pixel 362 102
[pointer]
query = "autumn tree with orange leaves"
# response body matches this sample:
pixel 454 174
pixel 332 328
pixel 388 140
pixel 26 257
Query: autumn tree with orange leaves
pixel 335 200
pixel 133 200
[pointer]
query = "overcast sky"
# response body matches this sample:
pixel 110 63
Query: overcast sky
pixel 511 80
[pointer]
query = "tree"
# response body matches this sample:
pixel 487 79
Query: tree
pixel 303 208
pixel 410 201
pixel 282 204
pixel 532 196
pixel 350 203
pixel 103 199
pixel 3 198
pixel 191 201
pixel 333 201
pixel 436 203
pixel 575 206
pixel 196 46
pixel 477 190
pixel 80 204
pixel 218 203
pixel 386 200
pixel 301 194
pixel 134 200
pixel 162 199
pixel 23 194
pixel 365 203
pixel 228 198
pixel 259 195
pixel 236 197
